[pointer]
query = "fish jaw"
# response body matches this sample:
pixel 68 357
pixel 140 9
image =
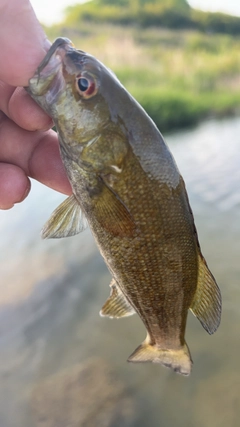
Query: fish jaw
pixel 54 86
pixel 48 81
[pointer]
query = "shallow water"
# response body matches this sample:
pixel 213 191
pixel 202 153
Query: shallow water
pixel 62 365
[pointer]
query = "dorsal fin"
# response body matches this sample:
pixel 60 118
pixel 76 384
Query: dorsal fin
pixel 116 305
pixel 206 305
pixel 66 220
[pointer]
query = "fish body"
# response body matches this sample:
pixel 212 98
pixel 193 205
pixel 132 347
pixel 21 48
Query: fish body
pixel 126 184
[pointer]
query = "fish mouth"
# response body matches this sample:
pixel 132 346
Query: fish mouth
pixel 50 69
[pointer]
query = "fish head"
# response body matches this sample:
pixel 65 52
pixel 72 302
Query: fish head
pixel 71 86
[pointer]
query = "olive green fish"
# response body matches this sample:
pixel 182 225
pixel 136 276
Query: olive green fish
pixel 127 186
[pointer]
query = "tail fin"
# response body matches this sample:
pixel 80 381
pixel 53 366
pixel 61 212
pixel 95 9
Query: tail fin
pixel 179 360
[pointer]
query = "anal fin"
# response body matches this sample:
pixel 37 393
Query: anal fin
pixel 116 305
pixel 66 220
pixel 206 305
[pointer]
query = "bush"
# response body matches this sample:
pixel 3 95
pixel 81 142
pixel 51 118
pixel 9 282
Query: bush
pixel 175 14
pixel 171 110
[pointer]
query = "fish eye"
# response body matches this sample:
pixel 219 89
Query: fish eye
pixel 83 84
pixel 86 86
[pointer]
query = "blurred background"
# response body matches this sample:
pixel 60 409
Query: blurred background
pixel 61 365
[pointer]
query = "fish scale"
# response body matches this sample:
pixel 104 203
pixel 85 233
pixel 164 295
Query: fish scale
pixel 147 262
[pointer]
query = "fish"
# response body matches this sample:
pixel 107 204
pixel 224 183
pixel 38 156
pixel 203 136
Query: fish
pixel 127 187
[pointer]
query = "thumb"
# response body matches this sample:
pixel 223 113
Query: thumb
pixel 23 42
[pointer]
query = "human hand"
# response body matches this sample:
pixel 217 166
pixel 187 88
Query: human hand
pixel 28 147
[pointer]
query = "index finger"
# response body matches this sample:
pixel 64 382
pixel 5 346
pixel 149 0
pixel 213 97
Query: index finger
pixel 37 153
pixel 17 104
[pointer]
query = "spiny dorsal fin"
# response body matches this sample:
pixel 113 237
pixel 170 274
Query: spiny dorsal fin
pixel 67 220
pixel 116 305
pixel 207 302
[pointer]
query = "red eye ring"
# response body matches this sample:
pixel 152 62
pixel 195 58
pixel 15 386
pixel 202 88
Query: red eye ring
pixel 86 86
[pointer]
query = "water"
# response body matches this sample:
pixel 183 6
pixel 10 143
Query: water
pixel 62 365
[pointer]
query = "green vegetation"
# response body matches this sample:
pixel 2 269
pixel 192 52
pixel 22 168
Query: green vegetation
pixel 178 76
pixel 176 14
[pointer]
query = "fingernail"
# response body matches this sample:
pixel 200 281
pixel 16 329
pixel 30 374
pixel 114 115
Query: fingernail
pixel 26 192
pixel 47 127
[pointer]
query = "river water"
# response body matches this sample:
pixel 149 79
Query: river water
pixel 61 365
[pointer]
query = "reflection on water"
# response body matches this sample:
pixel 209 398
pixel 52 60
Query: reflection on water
pixel 62 365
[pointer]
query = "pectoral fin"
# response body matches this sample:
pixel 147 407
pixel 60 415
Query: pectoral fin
pixel 111 212
pixel 116 305
pixel 67 220
pixel 206 305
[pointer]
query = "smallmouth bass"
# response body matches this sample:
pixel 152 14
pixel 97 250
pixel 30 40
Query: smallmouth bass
pixel 127 187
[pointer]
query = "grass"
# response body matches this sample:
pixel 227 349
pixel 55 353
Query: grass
pixel 179 77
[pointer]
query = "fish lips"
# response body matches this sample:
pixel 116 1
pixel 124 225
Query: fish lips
pixel 48 80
